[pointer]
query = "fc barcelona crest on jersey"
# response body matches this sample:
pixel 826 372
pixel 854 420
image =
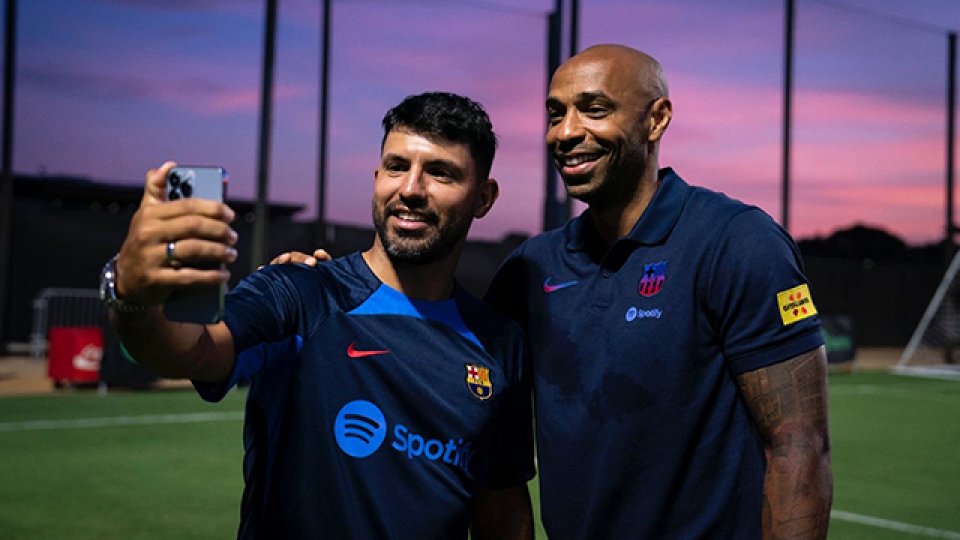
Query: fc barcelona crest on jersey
pixel 653 277
pixel 478 381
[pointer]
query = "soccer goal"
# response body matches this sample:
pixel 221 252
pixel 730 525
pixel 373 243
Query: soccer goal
pixel 934 347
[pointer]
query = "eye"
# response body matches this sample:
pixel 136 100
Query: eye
pixel 555 116
pixel 394 166
pixel 442 174
pixel 597 111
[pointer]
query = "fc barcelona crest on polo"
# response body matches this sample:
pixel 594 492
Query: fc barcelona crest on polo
pixel 653 277
pixel 478 381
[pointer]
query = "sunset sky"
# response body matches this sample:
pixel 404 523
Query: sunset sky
pixel 109 88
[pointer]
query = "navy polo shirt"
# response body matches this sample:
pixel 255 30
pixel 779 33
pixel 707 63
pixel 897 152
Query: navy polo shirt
pixel 641 430
pixel 369 414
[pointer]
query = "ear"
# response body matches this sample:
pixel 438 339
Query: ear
pixel 489 191
pixel 661 112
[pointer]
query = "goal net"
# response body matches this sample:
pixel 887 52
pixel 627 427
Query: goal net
pixel 934 348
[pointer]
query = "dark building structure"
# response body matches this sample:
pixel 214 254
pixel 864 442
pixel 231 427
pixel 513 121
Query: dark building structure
pixel 65 228
pixel 875 279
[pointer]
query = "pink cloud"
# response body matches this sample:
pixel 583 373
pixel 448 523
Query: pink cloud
pixel 914 214
pixel 856 157
pixel 870 161
pixel 848 107
pixel 229 100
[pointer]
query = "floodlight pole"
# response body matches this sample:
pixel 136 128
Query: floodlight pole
pixel 574 27
pixel 266 122
pixel 320 235
pixel 556 204
pixel 789 23
pixel 951 228
pixel 6 162
pixel 552 179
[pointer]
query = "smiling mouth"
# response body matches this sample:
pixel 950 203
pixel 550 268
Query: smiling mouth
pixel 408 220
pixel 577 165
pixel 410 216
pixel 578 159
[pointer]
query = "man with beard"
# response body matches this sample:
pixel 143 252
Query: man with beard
pixel 384 401
pixel 679 372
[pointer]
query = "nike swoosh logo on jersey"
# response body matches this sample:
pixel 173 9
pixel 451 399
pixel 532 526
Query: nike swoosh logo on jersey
pixel 552 287
pixel 353 352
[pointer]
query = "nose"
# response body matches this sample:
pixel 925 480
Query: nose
pixel 568 132
pixel 413 186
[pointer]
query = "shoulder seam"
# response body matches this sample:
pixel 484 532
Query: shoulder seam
pixel 714 246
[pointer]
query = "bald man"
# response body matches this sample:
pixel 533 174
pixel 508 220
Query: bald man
pixel 680 387
pixel 679 369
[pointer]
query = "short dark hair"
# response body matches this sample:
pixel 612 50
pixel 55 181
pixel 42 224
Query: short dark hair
pixel 449 117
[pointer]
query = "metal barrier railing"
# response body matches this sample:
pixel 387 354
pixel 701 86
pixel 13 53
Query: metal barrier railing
pixel 63 307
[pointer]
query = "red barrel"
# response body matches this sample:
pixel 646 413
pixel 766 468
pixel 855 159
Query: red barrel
pixel 74 353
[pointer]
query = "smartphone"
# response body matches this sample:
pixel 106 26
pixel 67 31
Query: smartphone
pixel 199 304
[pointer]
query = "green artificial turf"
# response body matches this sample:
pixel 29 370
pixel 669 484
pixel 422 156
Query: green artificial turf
pixel 158 480
pixel 895 442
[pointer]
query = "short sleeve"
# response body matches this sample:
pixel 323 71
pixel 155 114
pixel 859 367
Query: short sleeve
pixel 756 275
pixel 511 450
pixel 262 315
pixel 249 362
pixel 507 292
pixel 264 307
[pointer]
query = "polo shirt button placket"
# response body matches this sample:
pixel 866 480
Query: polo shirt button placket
pixel 604 291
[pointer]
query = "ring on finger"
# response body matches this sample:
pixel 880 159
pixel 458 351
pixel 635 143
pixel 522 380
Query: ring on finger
pixel 172 260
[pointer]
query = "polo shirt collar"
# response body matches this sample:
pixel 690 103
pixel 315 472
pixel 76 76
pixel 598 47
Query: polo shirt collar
pixel 653 226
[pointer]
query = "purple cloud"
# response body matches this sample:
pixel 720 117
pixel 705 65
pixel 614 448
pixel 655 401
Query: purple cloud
pixel 184 5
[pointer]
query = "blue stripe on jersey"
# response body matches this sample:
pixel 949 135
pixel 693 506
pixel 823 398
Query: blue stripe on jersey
pixel 248 363
pixel 251 361
pixel 388 301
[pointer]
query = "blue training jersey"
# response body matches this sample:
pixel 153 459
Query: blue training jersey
pixel 371 415
pixel 636 347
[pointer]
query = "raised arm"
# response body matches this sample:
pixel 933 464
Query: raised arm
pixel 144 276
pixel 788 402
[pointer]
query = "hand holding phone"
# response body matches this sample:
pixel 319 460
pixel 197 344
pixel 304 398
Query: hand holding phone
pixel 203 303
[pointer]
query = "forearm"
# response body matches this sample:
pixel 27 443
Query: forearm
pixel 175 349
pixel 504 514
pixel 150 266
pixel 788 402
pixel 798 488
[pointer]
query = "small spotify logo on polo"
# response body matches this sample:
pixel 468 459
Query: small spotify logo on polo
pixel 361 428
pixel 634 313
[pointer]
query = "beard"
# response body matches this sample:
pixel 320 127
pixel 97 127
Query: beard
pixel 615 184
pixel 428 246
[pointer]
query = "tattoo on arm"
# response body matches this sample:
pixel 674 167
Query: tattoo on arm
pixel 788 402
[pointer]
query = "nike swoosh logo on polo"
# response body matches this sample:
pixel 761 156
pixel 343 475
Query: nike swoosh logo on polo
pixel 552 287
pixel 353 352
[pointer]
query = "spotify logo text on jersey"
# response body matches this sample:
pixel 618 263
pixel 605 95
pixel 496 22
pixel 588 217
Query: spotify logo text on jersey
pixel 457 453
pixel 361 427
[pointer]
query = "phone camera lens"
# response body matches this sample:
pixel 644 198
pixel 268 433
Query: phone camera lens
pixel 174 179
pixel 173 195
pixel 187 189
